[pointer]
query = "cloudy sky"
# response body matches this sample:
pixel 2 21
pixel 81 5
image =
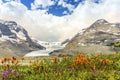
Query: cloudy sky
pixel 56 20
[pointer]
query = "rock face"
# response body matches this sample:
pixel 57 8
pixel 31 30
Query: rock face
pixel 95 38
pixel 14 40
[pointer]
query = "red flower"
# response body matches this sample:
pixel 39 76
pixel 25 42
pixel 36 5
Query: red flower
pixel 14 58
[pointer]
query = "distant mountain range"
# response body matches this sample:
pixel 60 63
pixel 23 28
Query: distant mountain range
pixel 95 39
pixel 15 41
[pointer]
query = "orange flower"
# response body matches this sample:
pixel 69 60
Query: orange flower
pixel 107 61
pixel 100 60
pixel 5 59
pixel 54 58
pixel 98 54
pixel 72 65
pixel 8 59
pixel 93 59
pixel 66 57
pixel 94 65
pixel 4 67
pixel 79 55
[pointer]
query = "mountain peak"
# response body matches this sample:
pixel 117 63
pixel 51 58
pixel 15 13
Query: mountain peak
pixel 98 37
pixel 16 39
pixel 101 21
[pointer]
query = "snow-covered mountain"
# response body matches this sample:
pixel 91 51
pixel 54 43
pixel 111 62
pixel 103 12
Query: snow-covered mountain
pixel 14 40
pixel 96 38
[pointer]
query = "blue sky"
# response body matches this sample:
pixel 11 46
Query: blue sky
pixel 54 9
pixel 27 3
pixel 57 20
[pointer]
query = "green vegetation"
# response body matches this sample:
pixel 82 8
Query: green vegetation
pixel 116 44
pixel 79 67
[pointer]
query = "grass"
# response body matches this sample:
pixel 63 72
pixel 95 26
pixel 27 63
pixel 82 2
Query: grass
pixel 79 67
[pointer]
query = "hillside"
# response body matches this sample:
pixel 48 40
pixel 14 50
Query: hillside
pixel 15 40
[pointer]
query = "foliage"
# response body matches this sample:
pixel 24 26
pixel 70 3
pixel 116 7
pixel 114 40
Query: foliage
pixel 79 67
pixel 114 45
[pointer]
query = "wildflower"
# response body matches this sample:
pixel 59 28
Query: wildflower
pixel 4 67
pixel 71 66
pixel 9 71
pixel 100 60
pixel 5 73
pixel 107 61
pixel 94 72
pixel 66 57
pixel 79 55
pixel 93 60
pixel 98 54
pixel 8 59
pixel 54 58
pixel 13 58
pixel 94 65
pixel 15 72
pixel 5 59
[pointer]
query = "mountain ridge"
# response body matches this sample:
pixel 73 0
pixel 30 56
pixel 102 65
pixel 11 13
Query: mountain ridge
pixel 94 39
pixel 17 39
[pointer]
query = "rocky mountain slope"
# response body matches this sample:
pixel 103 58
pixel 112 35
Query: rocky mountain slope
pixel 96 38
pixel 14 40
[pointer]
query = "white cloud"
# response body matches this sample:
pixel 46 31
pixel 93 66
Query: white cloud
pixel 12 9
pixel 76 0
pixel 43 3
pixel 1 2
pixel 66 5
pixel 49 27
pixel 65 12
pixel 7 0
pixel 13 0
